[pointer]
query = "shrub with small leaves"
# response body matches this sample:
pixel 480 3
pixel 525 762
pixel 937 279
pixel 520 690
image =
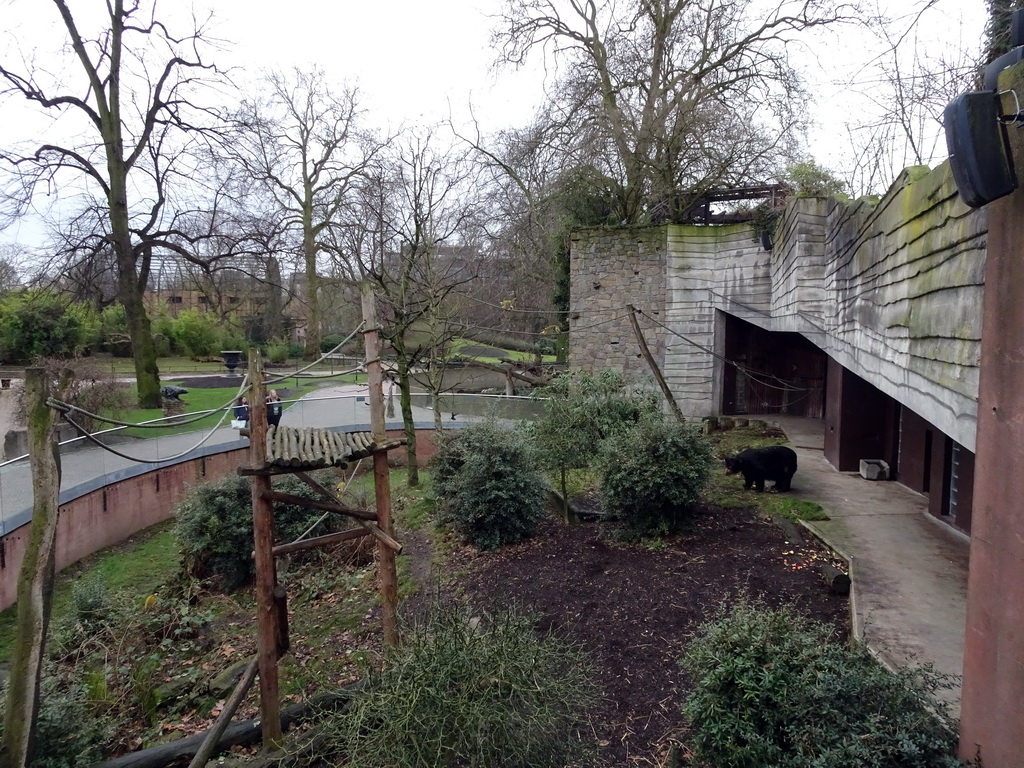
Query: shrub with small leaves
pixel 474 691
pixel 214 526
pixel 653 473
pixel 487 485
pixel 70 731
pixel 773 688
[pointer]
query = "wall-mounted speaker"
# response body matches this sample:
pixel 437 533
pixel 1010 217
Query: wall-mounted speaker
pixel 978 149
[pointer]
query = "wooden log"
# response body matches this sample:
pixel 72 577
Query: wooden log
pixel 837 581
pixel 328 494
pixel 291 448
pixel 340 449
pixel 789 528
pixel 281 601
pixel 320 541
pixel 213 735
pixel 266 573
pixel 327 506
pixel 268 450
pixel 241 734
pixel 382 537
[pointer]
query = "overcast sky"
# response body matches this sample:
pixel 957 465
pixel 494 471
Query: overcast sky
pixel 419 61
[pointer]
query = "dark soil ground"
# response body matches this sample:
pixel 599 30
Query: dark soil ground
pixel 635 607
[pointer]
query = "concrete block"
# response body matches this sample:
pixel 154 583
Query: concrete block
pixel 874 469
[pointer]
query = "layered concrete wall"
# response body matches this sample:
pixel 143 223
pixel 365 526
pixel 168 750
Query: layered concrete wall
pixel 904 281
pixel 891 290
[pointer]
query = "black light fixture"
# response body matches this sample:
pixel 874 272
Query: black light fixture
pixel 979 153
pixel 978 148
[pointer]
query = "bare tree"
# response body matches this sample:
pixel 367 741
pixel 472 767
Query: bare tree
pixel 902 92
pixel 408 236
pixel 135 116
pixel 670 97
pixel 303 141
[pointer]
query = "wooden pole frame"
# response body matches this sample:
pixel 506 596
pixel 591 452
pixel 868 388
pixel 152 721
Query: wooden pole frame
pixel 387 570
pixel 266 572
pixel 646 352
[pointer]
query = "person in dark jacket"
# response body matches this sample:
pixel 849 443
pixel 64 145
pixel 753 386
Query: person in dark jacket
pixel 274 408
pixel 241 412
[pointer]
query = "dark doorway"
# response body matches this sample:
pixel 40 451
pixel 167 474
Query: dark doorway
pixel 771 373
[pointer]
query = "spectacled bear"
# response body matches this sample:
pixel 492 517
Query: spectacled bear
pixel 776 462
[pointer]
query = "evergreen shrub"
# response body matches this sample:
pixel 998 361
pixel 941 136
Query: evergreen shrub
pixel 474 691
pixel 773 688
pixel 488 486
pixel 214 526
pixel 653 474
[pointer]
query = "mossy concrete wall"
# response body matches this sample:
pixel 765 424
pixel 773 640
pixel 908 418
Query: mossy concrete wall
pixel 890 289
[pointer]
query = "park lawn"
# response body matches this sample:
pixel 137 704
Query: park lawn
pixel 125 365
pixel 514 355
pixel 195 401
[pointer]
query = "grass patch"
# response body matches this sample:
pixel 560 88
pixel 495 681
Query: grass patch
pixel 727 491
pixel 136 567
pixel 506 355
pixel 195 401
pixel 728 442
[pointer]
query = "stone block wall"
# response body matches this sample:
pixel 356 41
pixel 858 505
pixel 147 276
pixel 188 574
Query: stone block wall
pixel 610 269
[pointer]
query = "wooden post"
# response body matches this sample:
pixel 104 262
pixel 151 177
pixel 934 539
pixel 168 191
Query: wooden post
pixel 266 573
pixel 387 570
pixel 35 584
pixel 646 352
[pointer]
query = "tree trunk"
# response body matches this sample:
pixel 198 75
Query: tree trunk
pixel 129 294
pixel 405 391
pixel 147 375
pixel 309 251
pixel 35 584
pixel 274 319
pixel 129 285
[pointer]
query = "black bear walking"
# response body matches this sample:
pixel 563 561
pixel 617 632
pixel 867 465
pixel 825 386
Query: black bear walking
pixel 776 462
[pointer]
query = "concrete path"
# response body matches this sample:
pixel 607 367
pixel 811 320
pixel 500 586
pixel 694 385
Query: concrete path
pixel 909 570
pixel 85 467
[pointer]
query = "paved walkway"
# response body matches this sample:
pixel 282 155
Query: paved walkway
pixel 909 570
pixel 85 467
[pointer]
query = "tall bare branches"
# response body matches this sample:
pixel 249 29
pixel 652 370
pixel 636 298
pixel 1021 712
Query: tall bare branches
pixel 303 142
pixel 133 114
pixel 671 97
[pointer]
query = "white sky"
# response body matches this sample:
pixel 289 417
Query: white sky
pixel 417 61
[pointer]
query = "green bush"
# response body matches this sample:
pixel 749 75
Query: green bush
pixel 69 730
pixel 197 333
pixel 582 410
pixel 278 351
pixel 488 486
pixel 214 526
pixel 40 323
pixel 772 688
pixel 653 473
pixel 475 692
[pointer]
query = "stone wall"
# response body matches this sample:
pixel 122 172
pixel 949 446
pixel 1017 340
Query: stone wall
pixel 610 269
pixel 891 290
